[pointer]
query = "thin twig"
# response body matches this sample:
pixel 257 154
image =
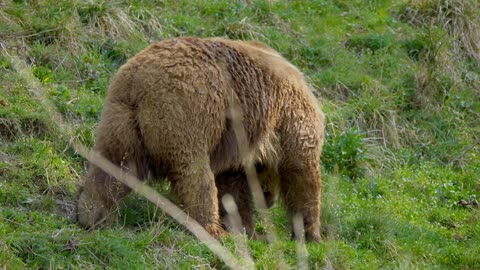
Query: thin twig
pixel 259 201
pixel 302 253
pixel 464 152
pixel 239 237
pixel 167 206
pixel 21 33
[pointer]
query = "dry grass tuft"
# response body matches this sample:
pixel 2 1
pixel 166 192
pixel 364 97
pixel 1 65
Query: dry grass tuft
pixel 244 29
pixel 106 18
pixel 376 114
pixel 147 22
pixel 9 128
pixel 451 35
pixel 459 18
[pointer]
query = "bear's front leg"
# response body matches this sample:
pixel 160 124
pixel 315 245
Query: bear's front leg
pixel 194 185
pixel 301 189
pixel 98 198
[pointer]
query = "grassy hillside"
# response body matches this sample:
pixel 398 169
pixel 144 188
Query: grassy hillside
pixel 400 86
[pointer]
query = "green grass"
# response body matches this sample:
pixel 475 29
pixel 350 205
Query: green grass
pixel 399 82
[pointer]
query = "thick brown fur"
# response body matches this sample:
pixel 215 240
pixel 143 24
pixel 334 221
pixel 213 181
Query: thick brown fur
pixel 167 111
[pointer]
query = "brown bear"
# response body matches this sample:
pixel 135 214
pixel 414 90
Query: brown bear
pixel 167 112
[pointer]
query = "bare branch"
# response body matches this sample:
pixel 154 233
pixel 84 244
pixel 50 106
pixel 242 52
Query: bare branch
pixel 259 201
pixel 299 230
pixel 238 236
